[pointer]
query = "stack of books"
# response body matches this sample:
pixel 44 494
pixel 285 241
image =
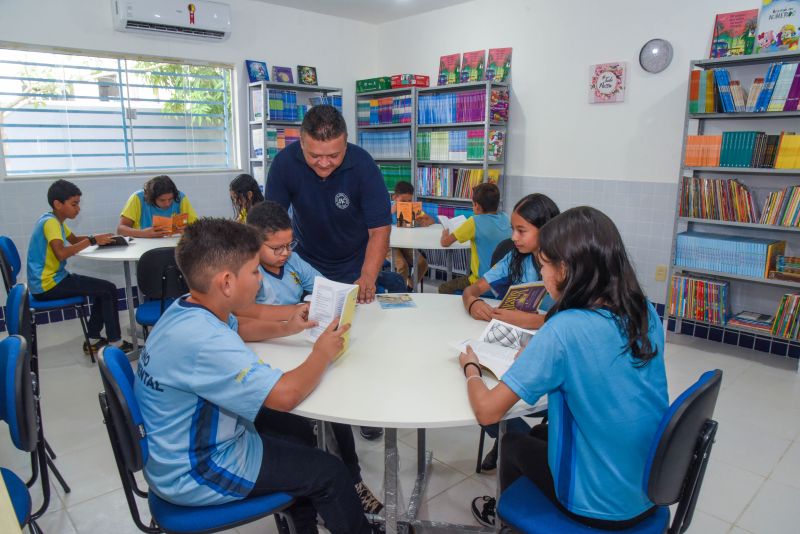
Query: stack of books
pixel 743 256
pixel 786 268
pixel 702 150
pixel 718 199
pixel 699 299
pixel 388 110
pixel 744 149
pixel 395 172
pixel 786 323
pixel 283 105
pixel 386 144
pixel 280 138
pixel 331 100
pixel 777 90
pixel 758 322
pixel 459 145
pixel 449 108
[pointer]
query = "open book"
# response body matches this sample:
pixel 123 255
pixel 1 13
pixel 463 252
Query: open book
pixel 173 224
pixel 408 213
pixel 328 300
pixel 498 345
pixel 524 297
pixel 116 241
pixel 451 224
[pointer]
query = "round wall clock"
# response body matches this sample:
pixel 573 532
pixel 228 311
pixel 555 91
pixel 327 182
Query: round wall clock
pixel 655 55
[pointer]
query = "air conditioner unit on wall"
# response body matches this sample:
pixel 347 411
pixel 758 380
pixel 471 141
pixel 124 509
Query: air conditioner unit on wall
pixel 179 18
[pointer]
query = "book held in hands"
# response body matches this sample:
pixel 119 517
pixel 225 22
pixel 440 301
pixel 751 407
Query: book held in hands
pixel 408 214
pixel 498 345
pixel 173 224
pixel 451 224
pixel 524 297
pixel 329 300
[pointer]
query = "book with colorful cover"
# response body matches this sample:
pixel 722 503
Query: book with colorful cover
pixel 449 68
pixel 391 301
pixel 734 33
pixel 174 224
pixel 407 214
pixel 778 23
pixel 498 64
pixel 472 64
pixel 329 300
pixel 524 297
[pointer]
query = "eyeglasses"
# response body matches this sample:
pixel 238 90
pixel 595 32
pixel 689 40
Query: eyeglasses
pixel 283 249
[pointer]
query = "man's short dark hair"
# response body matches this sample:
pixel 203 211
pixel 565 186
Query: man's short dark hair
pixel 209 246
pixel 160 185
pixel 269 217
pixel 61 190
pixel 323 123
pixel 487 196
pixel 403 188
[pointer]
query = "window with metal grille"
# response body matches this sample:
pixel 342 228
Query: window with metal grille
pixel 70 114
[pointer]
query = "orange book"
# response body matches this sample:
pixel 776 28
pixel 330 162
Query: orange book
pixel 694 92
pixel 407 214
pixel 174 224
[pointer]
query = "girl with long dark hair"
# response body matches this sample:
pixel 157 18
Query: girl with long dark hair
pixel 599 358
pixel 245 194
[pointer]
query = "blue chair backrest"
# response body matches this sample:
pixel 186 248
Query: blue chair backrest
pixel 18 313
pixel 673 449
pixel 16 393
pixel 128 425
pixel 10 264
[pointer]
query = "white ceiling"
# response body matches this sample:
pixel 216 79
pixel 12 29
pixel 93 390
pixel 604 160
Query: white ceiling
pixel 373 11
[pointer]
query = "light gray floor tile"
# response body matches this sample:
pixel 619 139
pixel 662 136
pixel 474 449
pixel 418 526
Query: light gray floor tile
pixel 775 510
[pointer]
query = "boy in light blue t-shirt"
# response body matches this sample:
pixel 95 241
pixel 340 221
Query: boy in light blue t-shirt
pixel 202 392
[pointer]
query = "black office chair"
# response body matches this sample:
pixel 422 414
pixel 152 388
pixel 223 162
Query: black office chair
pixel 676 465
pixel 160 281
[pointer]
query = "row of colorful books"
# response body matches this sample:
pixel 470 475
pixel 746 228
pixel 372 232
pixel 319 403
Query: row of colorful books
pixel 387 110
pixel 782 207
pixel 699 299
pixel 460 145
pixel 331 100
pixel 773 28
pixel 280 138
pixel 449 108
pixel 777 90
pixel 737 255
pixel 386 144
pixel 718 199
pixel 395 172
pixel 744 149
pixel 786 322
pixel 451 182
pixel 282 105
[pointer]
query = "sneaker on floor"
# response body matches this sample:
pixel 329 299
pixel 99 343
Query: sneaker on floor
pixel 489 462
pixel 371 432
pixel 369 502
pixel 483 509
pixel 96 346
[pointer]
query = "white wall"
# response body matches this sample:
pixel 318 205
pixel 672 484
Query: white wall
pixel 342 50
pixel 554 132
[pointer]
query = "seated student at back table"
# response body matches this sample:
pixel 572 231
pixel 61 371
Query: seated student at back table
pixel 517 267
pixel 245 194
pixel 52 242
pixel 160 196
pixel 484 231
pixel 599 358
pixel 285 278
pixel 201 388
pixel 403 260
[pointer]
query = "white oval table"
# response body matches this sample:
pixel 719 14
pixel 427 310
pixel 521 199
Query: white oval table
pixel 129 255
pixel 425 238
pixel 398 372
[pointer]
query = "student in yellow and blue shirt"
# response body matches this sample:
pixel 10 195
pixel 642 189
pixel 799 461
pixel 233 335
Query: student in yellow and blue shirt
pixel 484 231
pixel 245 193
pixel 160 196
pixel 52 242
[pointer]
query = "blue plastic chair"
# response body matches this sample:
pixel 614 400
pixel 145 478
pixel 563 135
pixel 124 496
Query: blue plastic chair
pixel 17 409
pixel 10 265
pixel 159 280
pixel 128 436
pixel 673 473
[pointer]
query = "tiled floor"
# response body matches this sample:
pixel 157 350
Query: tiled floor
pixel 752 485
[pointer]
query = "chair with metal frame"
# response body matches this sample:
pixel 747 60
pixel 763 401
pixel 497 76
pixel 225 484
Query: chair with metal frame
pixel 11 265
pixel 19 321
pixel 161 281
pixel 674 471
pixel 17 409
pixel 128 436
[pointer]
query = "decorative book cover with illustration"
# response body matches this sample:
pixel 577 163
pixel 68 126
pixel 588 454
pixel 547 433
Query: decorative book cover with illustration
pixel 734 33
pixel 778 22
pixel 449 67
pixel 282 74
pixel 498 64
pixel 391 301
pixel 524 297
pixel 174 224
pixel 472 66
pixel 407 213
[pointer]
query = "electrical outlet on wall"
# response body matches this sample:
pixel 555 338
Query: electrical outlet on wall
pixel 661 273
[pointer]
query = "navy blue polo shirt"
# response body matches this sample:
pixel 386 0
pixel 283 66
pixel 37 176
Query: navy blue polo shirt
pixel 331 217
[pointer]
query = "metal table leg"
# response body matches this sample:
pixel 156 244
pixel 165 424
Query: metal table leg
pixel 390 482
pixel 131 312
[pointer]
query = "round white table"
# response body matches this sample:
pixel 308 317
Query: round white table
pixel 398 372
pixel 426 238
pixel 129 255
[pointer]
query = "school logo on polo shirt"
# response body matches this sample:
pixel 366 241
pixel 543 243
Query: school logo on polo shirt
pixel 342 201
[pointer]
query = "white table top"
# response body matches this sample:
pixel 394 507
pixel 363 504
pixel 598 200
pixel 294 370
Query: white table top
pixel 423 237
pixel 132 252
pixel 399 371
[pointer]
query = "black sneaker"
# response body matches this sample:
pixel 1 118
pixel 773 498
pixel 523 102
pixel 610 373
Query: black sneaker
pixel 369 502
pixel 483 509
pixel 96 346
pixel 124 346
pixel 371 432
pixel 489 462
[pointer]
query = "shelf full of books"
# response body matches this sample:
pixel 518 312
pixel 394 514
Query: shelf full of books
pixel 275 112
pixel 734 259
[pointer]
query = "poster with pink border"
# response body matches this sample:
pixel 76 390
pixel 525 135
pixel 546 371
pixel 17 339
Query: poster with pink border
pixel 607 82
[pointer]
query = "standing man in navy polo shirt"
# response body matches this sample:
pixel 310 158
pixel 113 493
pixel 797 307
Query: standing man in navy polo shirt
pixel 341 215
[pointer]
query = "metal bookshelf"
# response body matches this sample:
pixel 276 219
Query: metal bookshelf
pixel 747 293
pixel 258 99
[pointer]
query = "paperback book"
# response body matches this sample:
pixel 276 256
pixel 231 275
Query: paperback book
pixel 173 225
pixel 778 22
pixel 734 33
pixel 449 68
pixel 407 214
pixel 498 345
pixel 391 301
pixel 498 64
pixel 329 300
pixel 524 297
pixel 472 64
